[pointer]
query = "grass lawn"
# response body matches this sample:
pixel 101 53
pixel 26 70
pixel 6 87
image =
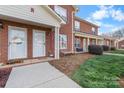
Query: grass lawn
pixel 118 51
pixel 100 72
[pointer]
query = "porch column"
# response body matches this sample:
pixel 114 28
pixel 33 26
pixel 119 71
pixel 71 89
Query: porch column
pixel 110 43
pixel 102 41
pixel 88 41
pixel 96 41
pixel 56 43
pixel 116 44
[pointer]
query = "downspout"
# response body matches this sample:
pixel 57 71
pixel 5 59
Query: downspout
pixel 72 31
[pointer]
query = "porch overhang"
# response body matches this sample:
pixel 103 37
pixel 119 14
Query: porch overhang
pixel 80 34
pixel 32 15
pixel 109 38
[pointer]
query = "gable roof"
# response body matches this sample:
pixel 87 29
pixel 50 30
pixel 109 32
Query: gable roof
pixel 75 8
pixel 121 39
pixel 110 38
pixel 54 14
pixel 78 18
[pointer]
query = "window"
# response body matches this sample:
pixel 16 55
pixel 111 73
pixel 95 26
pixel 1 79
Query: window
pixel 77 43
pixel 100 42
pixel 61 12
pixel 77 25
pixel 93 42
pixel 93 30
pixel 63 41
pixel 107 43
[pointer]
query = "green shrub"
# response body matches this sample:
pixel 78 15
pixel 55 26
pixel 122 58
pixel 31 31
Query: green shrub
pixel 113 48
pixel 105 48
pixel 95 49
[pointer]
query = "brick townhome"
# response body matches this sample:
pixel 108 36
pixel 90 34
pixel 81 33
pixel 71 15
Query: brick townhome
pixel 28 32
pixel 66 12
pixel 120 43
pixel 85 33
pixel 109 41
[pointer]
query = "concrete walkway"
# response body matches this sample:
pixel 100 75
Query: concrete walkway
pixel 113 54
pixel 41 75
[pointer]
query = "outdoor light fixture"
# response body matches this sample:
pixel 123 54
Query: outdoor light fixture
pixel 1 26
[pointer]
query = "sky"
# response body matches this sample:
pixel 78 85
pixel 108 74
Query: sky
pixel 109 18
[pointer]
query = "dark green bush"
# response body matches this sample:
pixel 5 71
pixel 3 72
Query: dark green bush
pixel 95 49
pixel 113 48
pixel 105 48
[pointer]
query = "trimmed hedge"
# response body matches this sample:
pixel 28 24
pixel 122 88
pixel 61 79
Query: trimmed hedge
pixel 95 49
pixel 113 48
pixel 105 48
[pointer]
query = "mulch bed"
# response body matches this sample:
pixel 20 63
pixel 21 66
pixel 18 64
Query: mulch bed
pixel 70 63
pixel 121 82
pixel 4 75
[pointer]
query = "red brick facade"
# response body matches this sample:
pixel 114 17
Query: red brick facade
pixel 4 39
pixel 121 44
pixel 67 28
pixel 86 27
pixel 109 42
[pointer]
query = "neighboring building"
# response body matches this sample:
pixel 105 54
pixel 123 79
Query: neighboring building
pixel 29 31
pixel 120 43
pixel 108 41
pixel 85 33
pixel 66 12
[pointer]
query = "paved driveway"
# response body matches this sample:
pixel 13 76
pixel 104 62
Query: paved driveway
pixel 41 75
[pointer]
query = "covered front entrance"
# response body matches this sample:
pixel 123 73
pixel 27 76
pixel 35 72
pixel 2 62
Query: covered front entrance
pixel 87 39
pixel 39 43
pixel 17 43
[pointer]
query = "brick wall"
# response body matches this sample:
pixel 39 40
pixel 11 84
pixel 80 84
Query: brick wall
pixel 121 44
pixel 4 39
pixel 86 27
pixel 67 28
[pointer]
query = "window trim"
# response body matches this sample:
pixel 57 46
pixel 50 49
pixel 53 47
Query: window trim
pixel 79 43
pixel 93 42
pixel 55 6
pixel 60 46
pixel 93 30
pixel 77 29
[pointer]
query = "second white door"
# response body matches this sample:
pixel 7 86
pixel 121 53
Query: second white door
pixel 38 43
pixel 84 45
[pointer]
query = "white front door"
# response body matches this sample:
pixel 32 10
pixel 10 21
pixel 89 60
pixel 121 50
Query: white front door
pixel 17 43
pixel 38 43
pixel 84 45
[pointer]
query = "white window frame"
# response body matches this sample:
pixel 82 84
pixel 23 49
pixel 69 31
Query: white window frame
pixel 107 43
pixel 18 29
pixel 77 43
pixel 62 12
pixel 77 25
pixel 93 42
pixel 63 40
pixel 93 30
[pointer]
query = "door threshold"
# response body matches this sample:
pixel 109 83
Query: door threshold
pixel 28 62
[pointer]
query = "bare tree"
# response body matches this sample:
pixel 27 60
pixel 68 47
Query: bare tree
pixel 116 34
pixel 119 33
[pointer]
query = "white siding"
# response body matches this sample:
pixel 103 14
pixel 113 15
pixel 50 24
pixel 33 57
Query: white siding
pixel 40 15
